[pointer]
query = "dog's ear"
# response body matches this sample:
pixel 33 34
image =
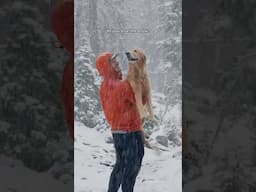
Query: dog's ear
pixel 144 58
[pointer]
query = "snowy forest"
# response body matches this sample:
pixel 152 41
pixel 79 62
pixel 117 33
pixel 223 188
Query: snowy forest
pixel 219 105
pixel 34 136
pixel 118 26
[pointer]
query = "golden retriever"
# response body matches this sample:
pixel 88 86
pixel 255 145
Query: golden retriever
pixel 138 78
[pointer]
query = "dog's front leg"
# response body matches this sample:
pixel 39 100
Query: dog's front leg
pixel 149 108
pixel 147 92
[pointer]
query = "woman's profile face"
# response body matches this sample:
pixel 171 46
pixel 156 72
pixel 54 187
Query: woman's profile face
pixel 115 65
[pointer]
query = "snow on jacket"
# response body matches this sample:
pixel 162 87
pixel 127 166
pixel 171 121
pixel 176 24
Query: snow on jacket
pixel 117 97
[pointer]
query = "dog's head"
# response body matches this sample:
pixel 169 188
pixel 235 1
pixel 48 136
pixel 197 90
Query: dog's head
pixel 136 57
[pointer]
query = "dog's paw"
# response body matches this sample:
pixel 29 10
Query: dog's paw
pixel 151 117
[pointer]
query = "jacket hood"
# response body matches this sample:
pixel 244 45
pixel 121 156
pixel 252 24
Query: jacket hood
pixel 62 23
pixel 104 67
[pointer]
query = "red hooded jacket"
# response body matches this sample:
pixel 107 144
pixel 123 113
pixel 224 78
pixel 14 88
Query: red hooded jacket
pixel 62 22
pixel 117 98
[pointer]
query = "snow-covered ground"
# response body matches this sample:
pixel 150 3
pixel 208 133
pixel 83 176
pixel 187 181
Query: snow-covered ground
pixel 94 158
pixel 15 177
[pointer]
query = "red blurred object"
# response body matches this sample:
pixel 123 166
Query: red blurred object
pixel 62 22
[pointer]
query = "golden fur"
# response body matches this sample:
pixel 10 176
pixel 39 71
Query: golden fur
pixel 138 78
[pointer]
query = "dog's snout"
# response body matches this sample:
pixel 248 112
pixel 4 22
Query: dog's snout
pixel 130 56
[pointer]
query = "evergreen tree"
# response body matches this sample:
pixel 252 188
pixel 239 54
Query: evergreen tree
pixel 30 84
pixel 87 105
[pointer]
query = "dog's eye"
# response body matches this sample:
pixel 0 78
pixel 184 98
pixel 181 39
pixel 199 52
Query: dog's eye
pixel 134 50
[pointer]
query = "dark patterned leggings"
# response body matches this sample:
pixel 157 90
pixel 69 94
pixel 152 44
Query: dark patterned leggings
pixel 129 154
